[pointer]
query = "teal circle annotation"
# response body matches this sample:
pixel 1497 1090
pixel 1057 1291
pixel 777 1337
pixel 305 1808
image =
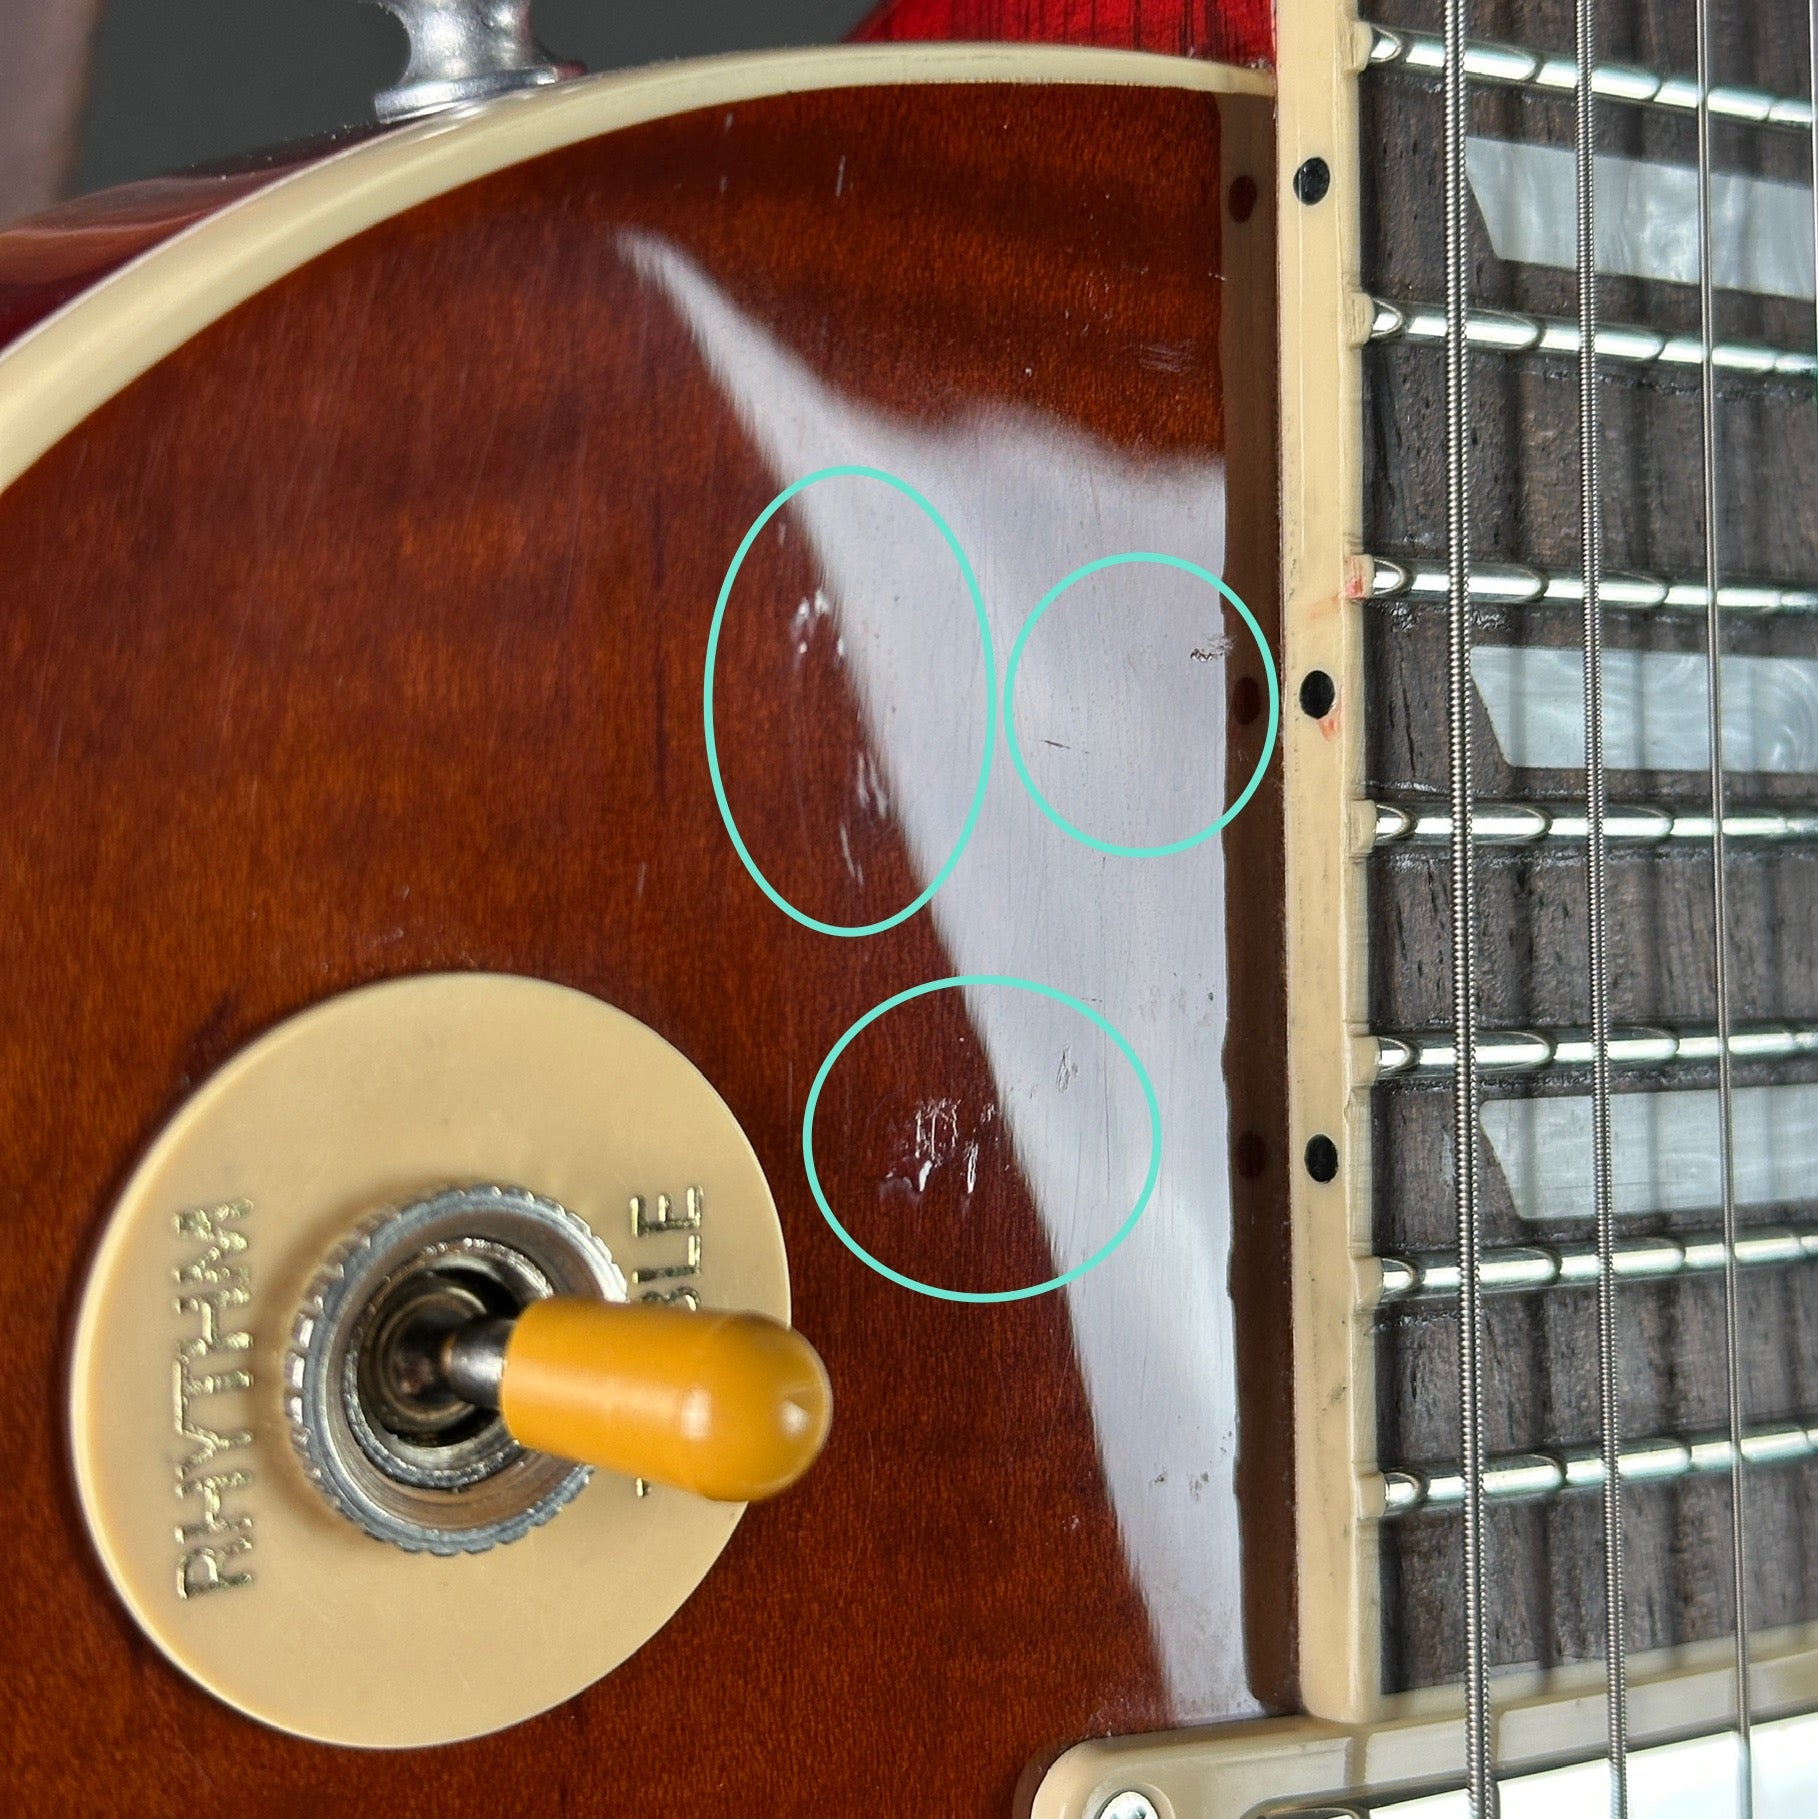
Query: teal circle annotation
pixel 1016 754
pixel 975 1295
pixel 984 766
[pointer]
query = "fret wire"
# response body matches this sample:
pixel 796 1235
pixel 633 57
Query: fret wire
pixel 1480 1781
pixel 1615 1635
pixel 1429 1276
pixel 1506 824
pixel 1707 328
pixel 1529 1051
pixel 1529 1477
pixel 1501 331
pixel 1514 66
pixel 1415 578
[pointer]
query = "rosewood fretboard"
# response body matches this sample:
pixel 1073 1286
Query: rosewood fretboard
pixel 1545 1561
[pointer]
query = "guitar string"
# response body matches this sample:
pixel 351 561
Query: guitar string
pixel 1615 1641
pixel 1479 1777
pixel 1811 41
pixel 1707 325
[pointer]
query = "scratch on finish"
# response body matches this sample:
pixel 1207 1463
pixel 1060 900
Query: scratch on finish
pixel 1030 497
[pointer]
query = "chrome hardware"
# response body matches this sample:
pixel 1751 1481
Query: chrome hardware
pixel 1128 1805
pixel 473 1361
pixel 1526 1477
pixel 1527 823
pixel 1528 1051
pixel 1518 584
pixel 397 1447
pixel 1433 1275
pixel 1510 66
pixel 1507 332
pixel 465 50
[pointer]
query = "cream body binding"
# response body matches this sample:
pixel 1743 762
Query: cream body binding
pixel 71 363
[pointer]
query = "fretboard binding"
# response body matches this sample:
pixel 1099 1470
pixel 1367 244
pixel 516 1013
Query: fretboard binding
pixel 1509 66
pixel 1433 1275
pixel 1509 332
pixel 1529 1477
pixel 1530 823
pixel 1517 584
pixel 1522 1051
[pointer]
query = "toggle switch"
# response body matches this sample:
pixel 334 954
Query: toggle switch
pixel 448 1322
pixel 460 1365
pixel 730 1406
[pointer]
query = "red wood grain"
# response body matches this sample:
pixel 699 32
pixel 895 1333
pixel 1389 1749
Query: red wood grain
pixel 1221 31
pixel 364 636
pixel 49 258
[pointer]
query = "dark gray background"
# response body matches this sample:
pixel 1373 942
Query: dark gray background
pixel 178 82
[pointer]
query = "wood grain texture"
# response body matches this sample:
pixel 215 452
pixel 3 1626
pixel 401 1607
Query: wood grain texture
pixel 364 636
pixel 1541 1389
pixel 49 258
pixel 1221 31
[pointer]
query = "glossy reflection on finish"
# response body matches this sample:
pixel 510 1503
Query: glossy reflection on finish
pixel 1030 499
pixel 398 665
pixel 938 1141
pixel 936 606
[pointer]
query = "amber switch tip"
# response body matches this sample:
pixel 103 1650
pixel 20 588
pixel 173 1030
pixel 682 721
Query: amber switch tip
pixel 732 1406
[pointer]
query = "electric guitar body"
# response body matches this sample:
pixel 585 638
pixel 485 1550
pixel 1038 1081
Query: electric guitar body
pixel 808 691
